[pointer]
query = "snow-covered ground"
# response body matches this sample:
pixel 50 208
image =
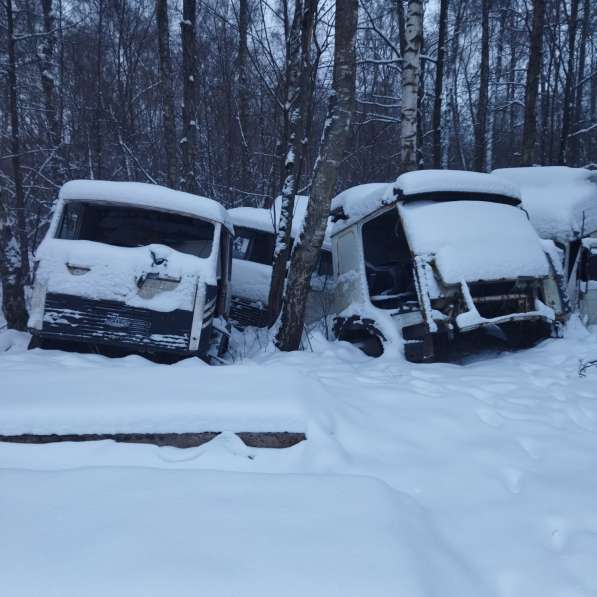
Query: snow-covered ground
pixel 418 480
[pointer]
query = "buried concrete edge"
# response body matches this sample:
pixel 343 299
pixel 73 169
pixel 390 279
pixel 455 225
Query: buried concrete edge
pixel 267 439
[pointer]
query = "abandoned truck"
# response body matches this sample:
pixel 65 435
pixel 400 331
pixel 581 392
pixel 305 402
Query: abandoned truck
pixel 253 250
pixel 434 257
pixel 562 206
pixel 132 267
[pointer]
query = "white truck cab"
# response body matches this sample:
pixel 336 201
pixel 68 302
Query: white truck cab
pixel 132 267
pixel 435 255
pixel 562 206
pixel 253 250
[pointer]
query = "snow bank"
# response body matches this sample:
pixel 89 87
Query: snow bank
pixel 144 195
pixel 474 240
pixel 113 272
pixel 561 201
pixel 113 531
pixel 498 453
pixel 66 393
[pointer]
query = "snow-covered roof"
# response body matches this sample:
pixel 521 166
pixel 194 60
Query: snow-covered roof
pixel 141 194
pixel 426 182
pixel 362 200
pixel 561 201
pixel 358 202
pixel 474 240
pixel 263 219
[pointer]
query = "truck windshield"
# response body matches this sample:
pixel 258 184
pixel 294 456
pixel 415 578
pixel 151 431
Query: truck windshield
pixel 124 226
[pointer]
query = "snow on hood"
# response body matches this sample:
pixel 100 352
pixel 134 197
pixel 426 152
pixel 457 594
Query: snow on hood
pixel 114 272
pixel 561 201
pixel 358 202
pixel 141 194
pixel 474 240
pixel 259 218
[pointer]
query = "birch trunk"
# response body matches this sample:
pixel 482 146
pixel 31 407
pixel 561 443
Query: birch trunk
pixel 529 135
pixel 188 143
pixel 167 91
pixel 335 135
pixel 301 33
pixel 411 64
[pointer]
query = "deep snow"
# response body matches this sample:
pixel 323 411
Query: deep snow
pixel 493 463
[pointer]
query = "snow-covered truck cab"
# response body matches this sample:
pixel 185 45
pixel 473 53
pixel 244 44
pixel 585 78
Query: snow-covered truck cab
pixel 253 250
pixel 132 267
pixel 438 254
pixel 562 206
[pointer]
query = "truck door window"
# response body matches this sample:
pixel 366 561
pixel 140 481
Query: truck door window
pixel 388 260
pixel 253 245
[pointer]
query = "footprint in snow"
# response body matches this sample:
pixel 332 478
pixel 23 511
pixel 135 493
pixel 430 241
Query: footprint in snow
pixel 513 477
pixel 490 417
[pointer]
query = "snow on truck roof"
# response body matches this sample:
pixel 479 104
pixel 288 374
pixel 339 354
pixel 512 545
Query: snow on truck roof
pixel 358 202
pixel 259 218
pixel 141 194
pixel 561 201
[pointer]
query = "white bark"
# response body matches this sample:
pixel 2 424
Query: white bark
pixel 411 64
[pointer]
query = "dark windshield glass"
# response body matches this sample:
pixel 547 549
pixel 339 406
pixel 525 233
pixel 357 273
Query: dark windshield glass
pixel 136 227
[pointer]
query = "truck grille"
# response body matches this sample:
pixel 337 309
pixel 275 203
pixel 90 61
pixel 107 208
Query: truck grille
pixel 245 313
pixel 110 322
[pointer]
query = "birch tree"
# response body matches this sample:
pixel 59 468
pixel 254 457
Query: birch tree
pixel 335 135
pixel 188 143
pixel 300 37
pixel 411 64
pixel 167 91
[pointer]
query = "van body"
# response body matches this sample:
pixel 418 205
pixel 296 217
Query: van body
pixel 562 206
pixel 253 250
pixel 133 267
pixel 438 255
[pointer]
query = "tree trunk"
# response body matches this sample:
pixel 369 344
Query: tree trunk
pixel 48 79
pixel 167 91
pixel 439 84
pixel 13 229
pixel 529 135
pixel 188 143
pixel 335 135
pixel 243 92
pixel 99 90
pixel 301 33
pixel 584 41
pixel 568 107
pixel 481 120
pixel 411 62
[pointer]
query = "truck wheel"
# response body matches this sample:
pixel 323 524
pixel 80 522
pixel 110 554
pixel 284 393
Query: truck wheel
pixel 368 343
